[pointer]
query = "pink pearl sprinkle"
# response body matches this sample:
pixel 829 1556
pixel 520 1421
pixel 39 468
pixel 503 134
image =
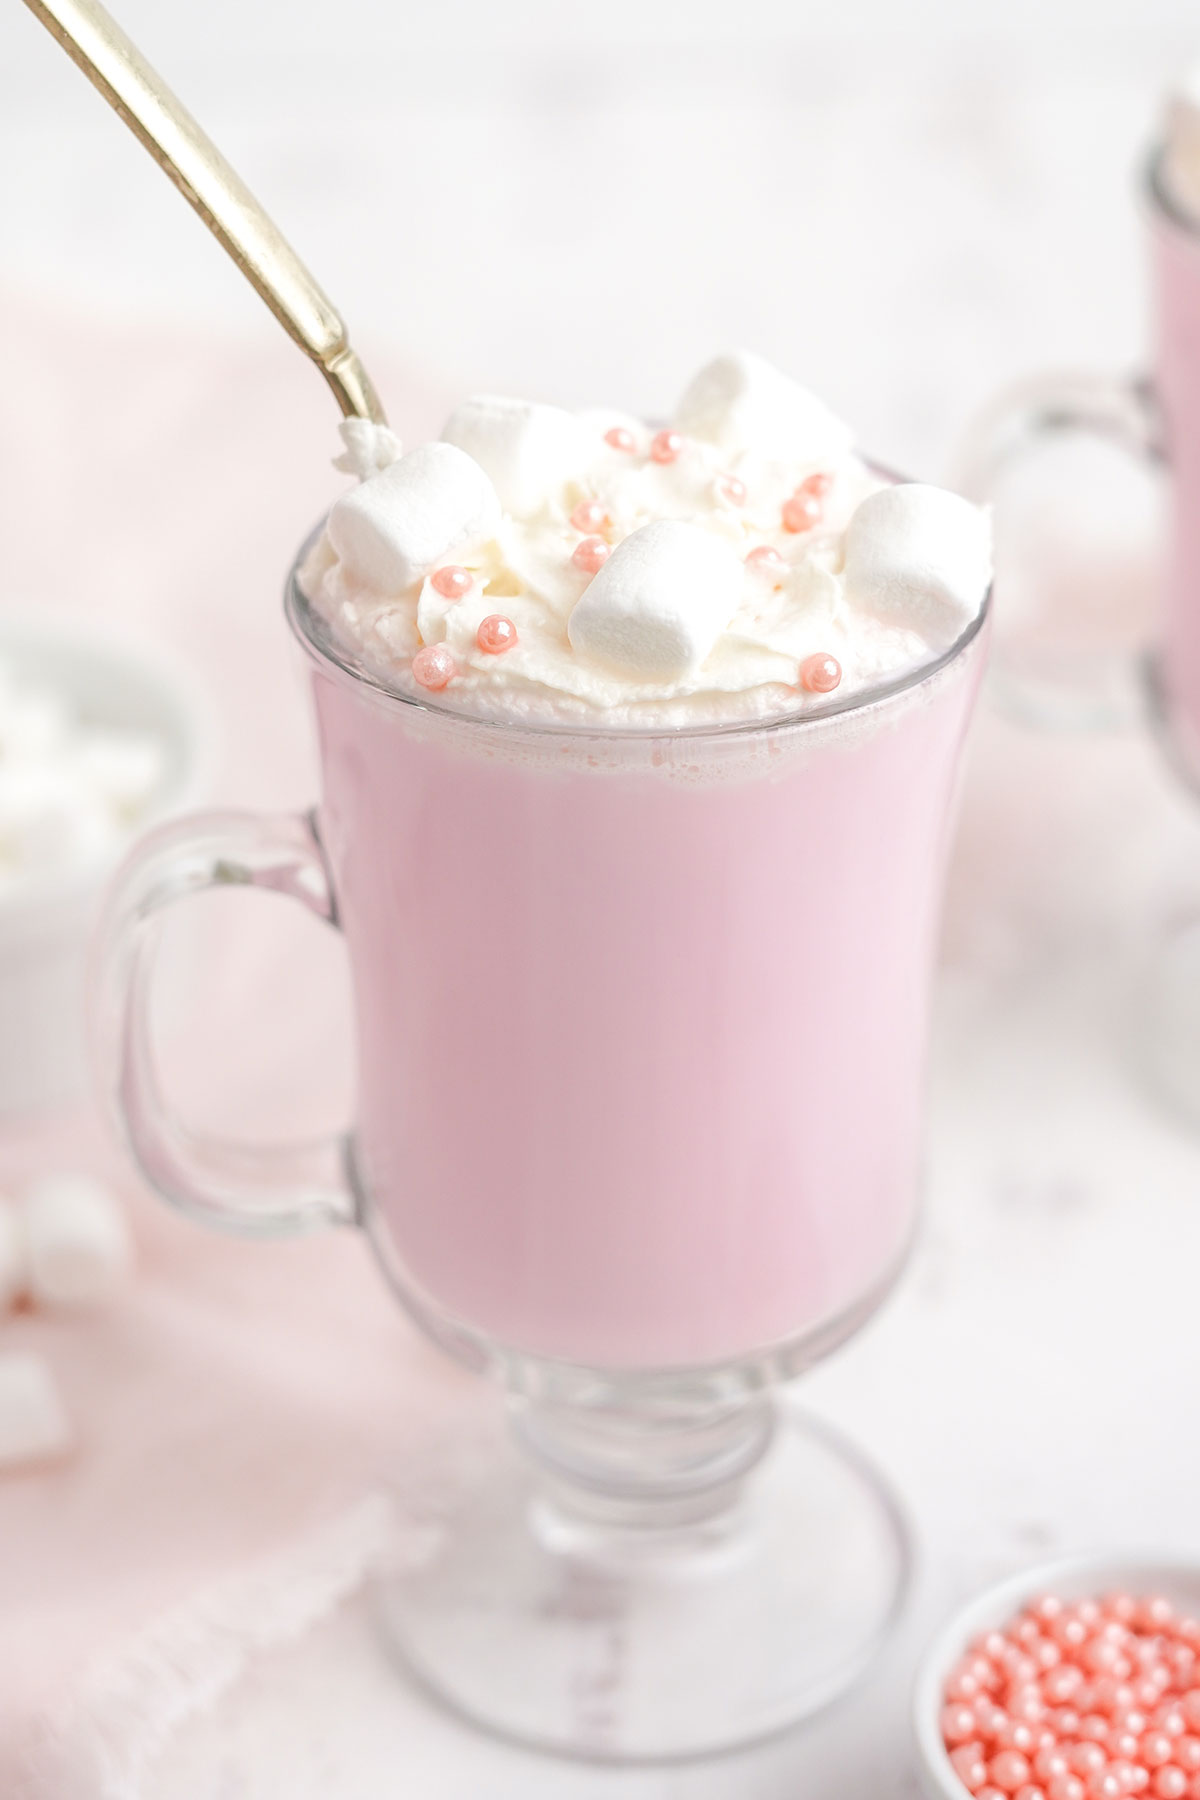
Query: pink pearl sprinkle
pixel 496 633
pixel 1085 1759
pixel 1025 1703
pixel 590 554
pixel 433 666
pixel 1062 1684
pixel 820 674
pixel 1066 1787
pixel 963 1684
pixel 619 438
pixel 1009 1770
pixel 801 513
pixel 1171 1783
pixel 969 1765
pixel 589 515
pixel 766 558
pixel 1030 1792
pixel 665 446
pixel 1189 1706
pixel 732 489
pixel 451 582
pixel 817 485
pixel 958 1724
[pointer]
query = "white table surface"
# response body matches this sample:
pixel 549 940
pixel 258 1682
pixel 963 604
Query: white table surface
pixel 905 225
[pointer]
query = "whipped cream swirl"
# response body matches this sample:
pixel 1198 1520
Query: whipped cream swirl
pixel 739 564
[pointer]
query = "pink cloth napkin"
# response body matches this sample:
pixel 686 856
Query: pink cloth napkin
pixel 237 1394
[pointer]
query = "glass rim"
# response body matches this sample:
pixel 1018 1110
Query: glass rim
pixel 1155 187
pixel 316 639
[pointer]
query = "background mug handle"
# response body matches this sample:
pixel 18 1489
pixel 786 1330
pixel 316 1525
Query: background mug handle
pixel 268 1190
pixel 1120 411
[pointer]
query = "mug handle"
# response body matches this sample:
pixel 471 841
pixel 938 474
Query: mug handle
pixel 1092 689
pixel 262 1191
pixel 1122 411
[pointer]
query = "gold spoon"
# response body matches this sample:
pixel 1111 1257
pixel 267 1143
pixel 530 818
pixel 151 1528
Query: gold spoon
pixel 115 66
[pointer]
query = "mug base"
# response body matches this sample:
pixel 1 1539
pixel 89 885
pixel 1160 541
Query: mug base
pixel 612 1637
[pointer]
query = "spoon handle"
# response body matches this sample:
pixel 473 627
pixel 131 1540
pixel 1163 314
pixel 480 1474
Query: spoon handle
pixel 115 66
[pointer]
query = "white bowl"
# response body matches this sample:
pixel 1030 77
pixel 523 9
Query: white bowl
pixel 46 919
pixel 1074 1578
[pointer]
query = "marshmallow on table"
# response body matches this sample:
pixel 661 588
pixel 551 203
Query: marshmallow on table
pixel 742 402
pixel 14 1256
pixel 660 602
pixel 919 556
pixel 78 1242
pixel 33 1420
pixel 527 450
pixel 392 529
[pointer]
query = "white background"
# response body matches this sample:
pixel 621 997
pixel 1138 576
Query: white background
pixel 902 204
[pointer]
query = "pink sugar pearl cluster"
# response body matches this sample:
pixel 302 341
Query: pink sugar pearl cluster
pixel 1079 1700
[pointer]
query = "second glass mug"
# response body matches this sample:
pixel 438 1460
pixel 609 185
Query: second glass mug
pixel 1157 421
pixel 641 1020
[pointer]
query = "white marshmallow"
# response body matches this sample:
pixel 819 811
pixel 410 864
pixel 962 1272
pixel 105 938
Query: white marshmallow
pixel 33 1420
pixel 395 527
pixel 527 449
pixel 919 556
pixel 742 402
pixel 14 1256
pixel 79 1244
pixel 659 604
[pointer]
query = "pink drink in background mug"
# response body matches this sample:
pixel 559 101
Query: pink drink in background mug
pixel 641 1016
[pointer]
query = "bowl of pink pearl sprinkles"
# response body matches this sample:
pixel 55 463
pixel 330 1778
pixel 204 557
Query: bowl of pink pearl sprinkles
pixel 1076 1681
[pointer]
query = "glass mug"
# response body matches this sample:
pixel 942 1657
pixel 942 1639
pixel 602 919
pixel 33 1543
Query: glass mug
pixel 1158 422
pixel 640 1020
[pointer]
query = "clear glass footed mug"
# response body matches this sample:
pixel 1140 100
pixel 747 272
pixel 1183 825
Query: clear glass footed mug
pixel 1061 665
pixel 641 1020
pixel 1063 660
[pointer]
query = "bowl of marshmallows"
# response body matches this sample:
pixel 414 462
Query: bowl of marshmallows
pixel 98 740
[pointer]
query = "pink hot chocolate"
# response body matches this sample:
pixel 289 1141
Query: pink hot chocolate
pixel 641 1021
